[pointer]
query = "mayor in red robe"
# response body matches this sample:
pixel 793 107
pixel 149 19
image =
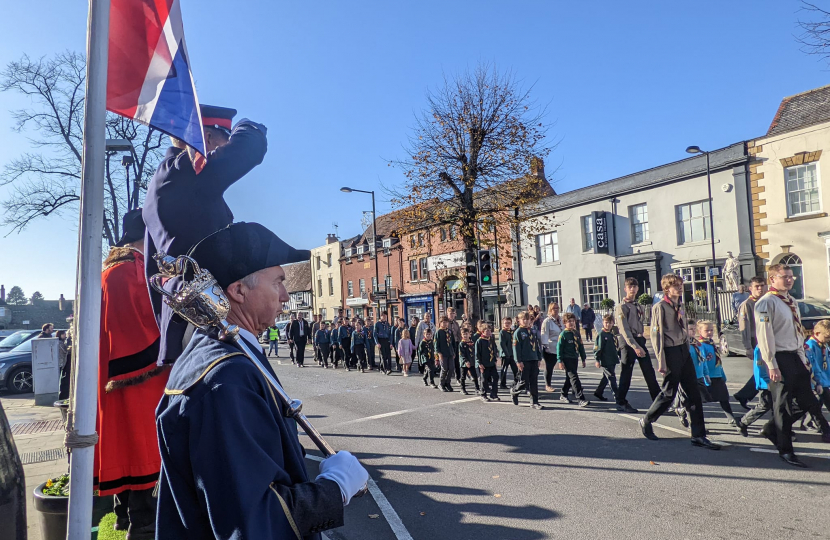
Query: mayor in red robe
pixel 130 385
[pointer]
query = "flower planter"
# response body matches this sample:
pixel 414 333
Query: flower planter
pixel 53 512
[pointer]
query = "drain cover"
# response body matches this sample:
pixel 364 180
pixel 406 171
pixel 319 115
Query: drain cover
pixel 44 455
pixel 41 426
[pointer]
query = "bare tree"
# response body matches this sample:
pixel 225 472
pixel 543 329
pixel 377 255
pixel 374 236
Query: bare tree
pixel 815 27
pixel 46 180
pixel 469 161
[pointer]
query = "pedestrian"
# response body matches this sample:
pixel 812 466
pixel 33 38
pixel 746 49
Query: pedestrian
pixel 486 353
pixel 671 345
pixel 527 352
pixel 335 347
pixel 629 317
pixel 587 318
pixel 359 346
pixel 466 355
pixel 781 341
pixel 746 324
pixel 455 331
pixel 423 325
pixel 65 363
pixel 703 350
pixel 574 309
pixel 399 325
pixel 426 358
pixel 549 336
pixel 505 346
pixel 537 319
pixel 369 332
pixel 46 331
pixel 298 333
pixel 345 337
pixel 383 335
pixel 818 353
pixel 445 353
pixel 291 345
pixel 413 330
pixel 607 355
pixel 569 350
pixel 739 298
pixel 405 349
pixel 323 342
pixel 273 340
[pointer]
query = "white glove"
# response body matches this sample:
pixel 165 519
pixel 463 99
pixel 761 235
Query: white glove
pixel 346 471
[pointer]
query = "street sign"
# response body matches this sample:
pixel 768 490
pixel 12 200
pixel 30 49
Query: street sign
pixel 714 271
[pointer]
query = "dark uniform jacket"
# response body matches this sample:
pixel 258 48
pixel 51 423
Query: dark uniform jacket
pixel 232 465
pixel 359 338
pixel 321 337
pixel 505 344
pixel 444 344
pixel 570 346
pixel 605 349
pixel 426 351
pixel 345 333
pixel 181 208
pixel 526 346
pixel 466 353
pixel 486 352
pixel 383 330
pixel 294 330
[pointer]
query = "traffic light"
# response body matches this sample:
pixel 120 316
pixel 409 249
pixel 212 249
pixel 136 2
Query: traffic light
pixel 484 268
pixel 472 276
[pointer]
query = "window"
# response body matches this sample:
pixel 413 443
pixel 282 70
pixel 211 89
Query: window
pixel 594 291
pixel 374 284
pixel 319 287
pixel 362 285
pixel 328 259
pixel 550 292
pixel 331 286
pixel 420 239
pixel 347 252
pixel 413 270
pixel 395 315
pixel 350 288
pixel 443 232
pixel 794 262
pixel 387 242
pixel 802 190
pixel 319 261
pixel 547 247
pixel 360 250
pixel 453 232
pixel 388 281
pixel 692 222
pixel 424 273
pixel 323 314
pixel 587 233
pixel 638 214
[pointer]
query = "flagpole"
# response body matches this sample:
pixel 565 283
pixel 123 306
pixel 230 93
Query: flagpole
pixel 88 301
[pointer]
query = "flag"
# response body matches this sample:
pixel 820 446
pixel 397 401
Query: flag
pixel 149 77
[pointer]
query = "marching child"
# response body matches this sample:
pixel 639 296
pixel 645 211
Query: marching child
pixel 426 358
pixel 704 350
pixel 369 332
pixel 818 353
pixel 607 356
pixel 466 356
pixel 446 353
pixel 321 338
pixel 336 347
pixel 505 343
pixel 359 346
pixel 486 353
pixel 569 350
pixel 404 350
pixel 527 352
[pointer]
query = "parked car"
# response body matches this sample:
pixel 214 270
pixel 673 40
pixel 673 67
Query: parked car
pixel 16 369
pixel 811 311
pixel 282 326
pixel 16 339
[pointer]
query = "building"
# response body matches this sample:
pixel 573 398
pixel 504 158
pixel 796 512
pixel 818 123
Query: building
pixel 642 225
pixel 790 200
pixel 327 297
pixel 298 285
pixel 33 316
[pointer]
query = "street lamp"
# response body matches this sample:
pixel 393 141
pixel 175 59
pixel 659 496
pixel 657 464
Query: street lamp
pixel 374 240
pixel 697 150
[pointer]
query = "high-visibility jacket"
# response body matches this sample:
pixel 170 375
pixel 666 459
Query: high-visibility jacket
pixel 273 334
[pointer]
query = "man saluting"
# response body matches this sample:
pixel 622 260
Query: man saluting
pixel 232 465
pixel 183 207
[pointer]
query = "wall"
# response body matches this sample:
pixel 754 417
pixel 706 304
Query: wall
pixel 354 270
pixel 331 303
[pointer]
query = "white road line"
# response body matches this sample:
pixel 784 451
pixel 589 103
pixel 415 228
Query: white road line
pixel 392 517
pixel 800 454
pixel 682 432
pixel 398 413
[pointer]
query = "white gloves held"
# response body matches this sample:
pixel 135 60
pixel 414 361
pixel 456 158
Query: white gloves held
pixel 346 471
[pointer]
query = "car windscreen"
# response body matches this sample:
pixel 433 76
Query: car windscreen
pixel 813 309
pixel 26 346
pixel 15 339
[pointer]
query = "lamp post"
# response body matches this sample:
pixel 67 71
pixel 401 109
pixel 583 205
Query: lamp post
pixel 374 240
pixel 697 150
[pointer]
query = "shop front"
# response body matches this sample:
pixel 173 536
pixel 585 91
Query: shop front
pixel 417 306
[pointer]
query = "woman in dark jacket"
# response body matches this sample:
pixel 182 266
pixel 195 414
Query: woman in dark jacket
pixel 588 317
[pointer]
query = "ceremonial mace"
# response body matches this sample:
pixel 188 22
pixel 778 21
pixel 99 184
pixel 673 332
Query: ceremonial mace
pixel 202 302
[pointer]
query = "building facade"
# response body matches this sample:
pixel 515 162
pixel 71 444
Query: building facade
pixel 642 225
pixel 298 285
pixel 327 297
pixel 790 199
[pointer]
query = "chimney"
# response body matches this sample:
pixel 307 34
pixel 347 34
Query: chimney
pixel 60 303
pixel 331 239
pixel 537 167
pixel 2 294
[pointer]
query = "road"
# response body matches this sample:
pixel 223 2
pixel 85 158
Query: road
pixel 451 466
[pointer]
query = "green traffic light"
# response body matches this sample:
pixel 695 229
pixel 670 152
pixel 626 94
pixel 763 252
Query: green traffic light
pixel 485 279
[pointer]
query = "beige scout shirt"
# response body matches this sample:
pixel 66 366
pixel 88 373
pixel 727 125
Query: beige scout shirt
pixel 628 315
pixel 666 331
pixel 746 324
pixel 777 330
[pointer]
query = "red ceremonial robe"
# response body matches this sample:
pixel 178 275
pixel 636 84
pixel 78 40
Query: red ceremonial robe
pixel 130 384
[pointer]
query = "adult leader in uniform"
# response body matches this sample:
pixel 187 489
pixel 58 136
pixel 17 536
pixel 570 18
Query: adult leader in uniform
pixel 182 207
pixel 232 464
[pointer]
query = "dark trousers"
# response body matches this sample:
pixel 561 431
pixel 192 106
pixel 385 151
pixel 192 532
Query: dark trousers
pixel 794 388
pixel 468 372
pixel 346 344
pixel 457 368
pixel 608 377
pixel 370 356
pixel 680 372
pixel 337 354
pixel 489 382
pixel 529 380
pixel 572 378
pixel 550 363
pixel 628 359
pixel 137 507
pixel 589 334
pixel 748 392
pixel 385 354
pixel 66 378
pixel 359 356
pixel 428 369
pixel 301 343
pixel 447 370
pixel 323 349
pixel 508 362
pixel 291 348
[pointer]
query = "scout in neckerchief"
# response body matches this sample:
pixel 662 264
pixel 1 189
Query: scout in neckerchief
pixel 445 352
pixel 466 358
pixel 705 351
pixel 528 352
pixel 781 345
pixel 818 352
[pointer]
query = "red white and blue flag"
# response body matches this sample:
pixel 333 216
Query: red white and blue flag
pixel 149 78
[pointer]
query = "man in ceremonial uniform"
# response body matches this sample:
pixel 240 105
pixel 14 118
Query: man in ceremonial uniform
pixel 232 464
pixel 298 333
pixel 183 207
pixel 127 462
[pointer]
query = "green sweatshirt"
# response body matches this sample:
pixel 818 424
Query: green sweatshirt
pixel 605 349
pixel 505 344
pixel 486 352
pixel 526 346
pixel 569 346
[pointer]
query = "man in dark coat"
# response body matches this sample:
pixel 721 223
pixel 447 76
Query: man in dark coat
pixel 183 207
pixel 298 334
pixel 232 464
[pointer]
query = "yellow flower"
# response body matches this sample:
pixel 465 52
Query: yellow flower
pixel 49 483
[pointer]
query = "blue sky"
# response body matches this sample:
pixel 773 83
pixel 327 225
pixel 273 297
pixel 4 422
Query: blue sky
pixel 628 85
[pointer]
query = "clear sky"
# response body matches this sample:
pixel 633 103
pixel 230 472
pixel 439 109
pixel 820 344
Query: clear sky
pixel 628 84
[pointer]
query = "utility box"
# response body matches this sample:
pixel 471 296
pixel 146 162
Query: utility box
pixel 46 371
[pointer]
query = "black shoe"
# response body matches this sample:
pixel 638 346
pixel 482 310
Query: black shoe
pixel 497 398
pixel 515 398
pixel 565 399
pixel 684 420
pixel 485 399
pixel 648 431
pixel 536 407
pixel 743 402
pixel 445 389
pixel 703 442
pixel 584 403
pixel 627 408
pixel 464 391
pixel 771 436
pixel 742 428
pixel 434 386
pixel 450 389
pixel 793 460
pixel 599 397
pixel 426 383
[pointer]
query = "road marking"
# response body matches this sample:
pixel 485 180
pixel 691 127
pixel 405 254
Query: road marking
pixel 774 451
pixel 398 413
pixel 392 517
pixel 682 432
